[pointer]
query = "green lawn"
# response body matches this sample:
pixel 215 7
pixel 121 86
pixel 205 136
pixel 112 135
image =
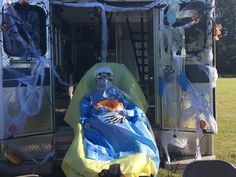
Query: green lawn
pixel 225 139
pixel 165 173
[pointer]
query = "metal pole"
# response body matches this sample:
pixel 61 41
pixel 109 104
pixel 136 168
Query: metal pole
pixel 2 122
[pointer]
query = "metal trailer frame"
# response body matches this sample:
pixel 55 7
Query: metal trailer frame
pixel 41 143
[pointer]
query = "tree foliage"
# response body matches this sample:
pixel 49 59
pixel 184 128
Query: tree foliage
pixel 226 47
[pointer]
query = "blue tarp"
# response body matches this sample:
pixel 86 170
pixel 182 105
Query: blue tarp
pixel 110 141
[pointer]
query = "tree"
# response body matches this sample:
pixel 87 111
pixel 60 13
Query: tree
pixel 226 47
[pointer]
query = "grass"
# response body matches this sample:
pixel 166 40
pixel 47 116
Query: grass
pixel 165 173
pixel 225 139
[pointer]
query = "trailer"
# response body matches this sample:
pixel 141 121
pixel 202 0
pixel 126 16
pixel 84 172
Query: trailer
pixel 168 46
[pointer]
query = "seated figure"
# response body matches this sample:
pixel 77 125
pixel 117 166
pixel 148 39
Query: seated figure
pixel 115 130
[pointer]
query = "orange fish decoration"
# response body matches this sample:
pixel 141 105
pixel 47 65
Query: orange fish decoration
pixel 202 124
pixel 195 16
pixel 217 32
pixel 113 105
pixel 12 158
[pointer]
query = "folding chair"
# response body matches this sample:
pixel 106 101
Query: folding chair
pixel 210 168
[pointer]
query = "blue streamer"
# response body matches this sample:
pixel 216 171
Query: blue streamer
pixel 183 81
pixel 160 86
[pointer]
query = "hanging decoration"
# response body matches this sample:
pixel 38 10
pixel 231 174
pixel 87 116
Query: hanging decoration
pixel 217 32
pixel 186 103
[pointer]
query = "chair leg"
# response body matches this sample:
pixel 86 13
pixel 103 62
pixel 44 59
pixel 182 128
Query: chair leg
pixel 114 171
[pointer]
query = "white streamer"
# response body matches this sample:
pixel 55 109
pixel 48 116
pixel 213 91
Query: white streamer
pixel 30 98
pixel 108 8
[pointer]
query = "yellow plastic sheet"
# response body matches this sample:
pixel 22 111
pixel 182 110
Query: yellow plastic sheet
pixel 75 163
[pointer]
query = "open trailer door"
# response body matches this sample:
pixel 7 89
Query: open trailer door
pixel 26 106
pixel 187 77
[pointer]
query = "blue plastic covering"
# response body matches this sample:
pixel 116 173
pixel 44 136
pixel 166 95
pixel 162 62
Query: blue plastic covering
pixel 160 85
pixel 109 141
pixel 183 81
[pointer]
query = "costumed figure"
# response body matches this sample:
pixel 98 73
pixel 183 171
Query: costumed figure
pixel 115 130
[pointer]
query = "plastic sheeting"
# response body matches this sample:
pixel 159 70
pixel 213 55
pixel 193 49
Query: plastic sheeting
pixel 107 139
pixel 193 102
pixel 75 161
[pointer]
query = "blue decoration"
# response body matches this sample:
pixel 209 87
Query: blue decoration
pixel 183 81
pixel 160 86
pixel 110 141
pixel 171 17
